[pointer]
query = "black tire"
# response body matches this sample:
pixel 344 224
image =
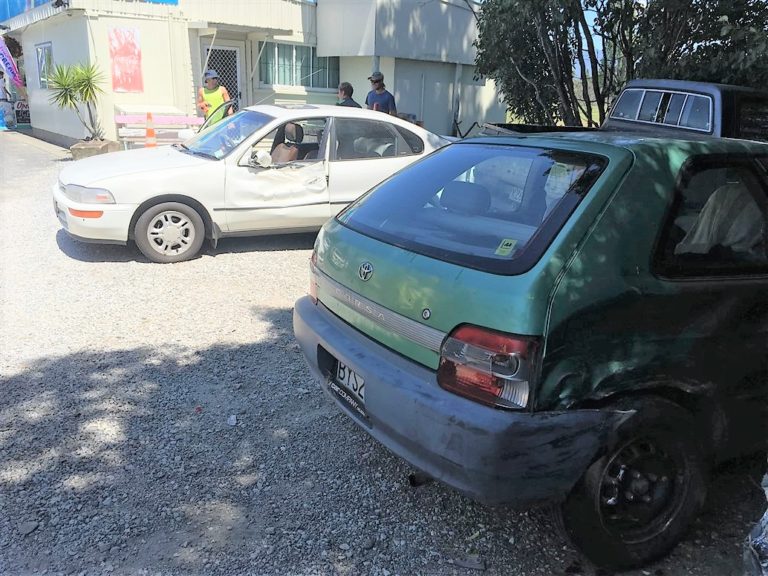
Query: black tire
pixel 169 232
pixel 623 520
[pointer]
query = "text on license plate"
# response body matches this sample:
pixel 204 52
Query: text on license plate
pixel 350 386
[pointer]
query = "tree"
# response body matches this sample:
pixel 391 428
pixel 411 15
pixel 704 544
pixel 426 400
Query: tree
pixel 75 86
pixel 563 60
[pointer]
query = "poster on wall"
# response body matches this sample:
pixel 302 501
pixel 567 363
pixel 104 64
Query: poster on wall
pixel 125 54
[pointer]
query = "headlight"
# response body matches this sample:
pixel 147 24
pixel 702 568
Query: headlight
pixel 85 195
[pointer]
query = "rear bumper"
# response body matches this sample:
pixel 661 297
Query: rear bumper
pixel 493 456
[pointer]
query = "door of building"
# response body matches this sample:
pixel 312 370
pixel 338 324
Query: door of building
pixel 227 61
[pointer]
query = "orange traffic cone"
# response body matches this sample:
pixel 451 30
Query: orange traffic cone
pixel 150 140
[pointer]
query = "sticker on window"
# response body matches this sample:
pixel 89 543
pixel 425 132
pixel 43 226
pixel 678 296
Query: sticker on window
pixel 506 247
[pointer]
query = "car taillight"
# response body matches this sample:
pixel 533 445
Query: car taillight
pixel 313 277
pixel 489 367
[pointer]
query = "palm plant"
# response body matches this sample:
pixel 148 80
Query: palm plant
pixel 75 86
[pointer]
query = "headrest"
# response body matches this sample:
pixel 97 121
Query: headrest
pixel 465 198
pixel 294 133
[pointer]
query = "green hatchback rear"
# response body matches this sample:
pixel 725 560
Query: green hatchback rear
pixel 577 319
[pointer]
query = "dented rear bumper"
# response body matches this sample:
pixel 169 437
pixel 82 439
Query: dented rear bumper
pixel 494 456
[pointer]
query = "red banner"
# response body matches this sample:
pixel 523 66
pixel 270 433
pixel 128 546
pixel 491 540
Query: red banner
pixel 125 53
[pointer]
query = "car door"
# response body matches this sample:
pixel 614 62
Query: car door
pixel 289 195
pixel 713 294
pixel 364 152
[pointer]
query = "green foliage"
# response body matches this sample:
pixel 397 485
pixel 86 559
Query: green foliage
pixel 74 86
pixel 563 60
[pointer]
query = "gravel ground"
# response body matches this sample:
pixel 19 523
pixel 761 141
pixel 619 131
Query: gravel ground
pixel 121 381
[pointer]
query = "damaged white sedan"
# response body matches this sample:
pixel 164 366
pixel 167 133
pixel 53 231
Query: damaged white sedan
pixel 263 170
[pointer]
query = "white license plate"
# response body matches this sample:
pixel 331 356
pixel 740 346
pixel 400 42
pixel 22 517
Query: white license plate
pixel 350 386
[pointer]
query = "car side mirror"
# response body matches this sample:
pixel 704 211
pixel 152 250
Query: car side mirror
pixel 260 159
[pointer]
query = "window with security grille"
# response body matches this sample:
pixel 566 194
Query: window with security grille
pixel 226 62
pixel 296 65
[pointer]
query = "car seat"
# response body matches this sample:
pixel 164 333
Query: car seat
pixel 288 150
pixel 729 219
pixel 465 198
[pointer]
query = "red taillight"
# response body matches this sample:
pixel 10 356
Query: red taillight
pixel 313 276
pixel 489 367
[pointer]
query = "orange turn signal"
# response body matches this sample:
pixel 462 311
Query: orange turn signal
pixel 86 213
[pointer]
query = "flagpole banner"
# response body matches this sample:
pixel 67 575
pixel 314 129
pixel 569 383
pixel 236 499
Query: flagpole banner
pixel 125 54
pixel 8 64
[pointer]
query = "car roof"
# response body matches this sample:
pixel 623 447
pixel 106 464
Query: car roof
pixel 289 111
pixel 691 86
pixel 594 139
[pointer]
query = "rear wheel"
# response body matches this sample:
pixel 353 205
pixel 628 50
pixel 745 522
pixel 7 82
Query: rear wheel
pixel 635 503
pixel 169 232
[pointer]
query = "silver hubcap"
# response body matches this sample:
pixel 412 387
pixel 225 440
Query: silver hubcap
pixel 171 233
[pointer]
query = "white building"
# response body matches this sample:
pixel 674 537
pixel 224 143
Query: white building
pixel 152 54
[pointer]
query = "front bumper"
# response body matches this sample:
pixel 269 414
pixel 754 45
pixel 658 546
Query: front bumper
pixel 493 456
pixel 110 227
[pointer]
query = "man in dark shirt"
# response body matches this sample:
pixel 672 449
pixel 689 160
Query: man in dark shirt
pixel 379 98
pixel 345 96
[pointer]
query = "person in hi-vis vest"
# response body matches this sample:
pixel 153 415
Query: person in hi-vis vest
pixel 211 96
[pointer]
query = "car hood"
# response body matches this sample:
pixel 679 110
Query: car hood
pixel 119 164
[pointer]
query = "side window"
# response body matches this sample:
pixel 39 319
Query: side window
pixel 718 223
pixel 414 144
pixel 366 139
pixel 295 140
pixel 626 107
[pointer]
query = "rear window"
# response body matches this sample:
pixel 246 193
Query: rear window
pixel 681 109
pixel 482 206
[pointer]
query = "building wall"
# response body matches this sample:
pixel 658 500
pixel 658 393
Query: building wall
pixel 68 36
pixel 426 89
pixel 346 28
pixel 480 101
pixel 439 30
pixel 165 65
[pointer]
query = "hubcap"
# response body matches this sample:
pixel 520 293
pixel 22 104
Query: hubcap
pixel 642 489
pixel 171 233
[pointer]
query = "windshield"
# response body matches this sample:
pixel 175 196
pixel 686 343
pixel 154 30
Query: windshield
pixel 220 139
pixel 478 205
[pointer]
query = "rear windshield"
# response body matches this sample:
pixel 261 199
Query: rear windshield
pixel 489 207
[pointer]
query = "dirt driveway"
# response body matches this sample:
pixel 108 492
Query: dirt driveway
pixel 160 419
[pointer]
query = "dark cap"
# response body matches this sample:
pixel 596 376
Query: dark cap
pixel 376 77
pixel 211 74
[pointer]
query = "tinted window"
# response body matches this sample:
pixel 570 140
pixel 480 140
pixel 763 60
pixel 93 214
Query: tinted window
pixel 628 103
pixel 413 142
pixel 753 120
pixel 675 106
pixel 650 106
pixel 359 139
pixel 476 205
pixel 696 113
pixel 718 223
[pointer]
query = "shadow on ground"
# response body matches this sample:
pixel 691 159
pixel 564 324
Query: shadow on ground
pixel 93 252
pixel 126 458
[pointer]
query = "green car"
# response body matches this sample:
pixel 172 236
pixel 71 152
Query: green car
pixel 578 319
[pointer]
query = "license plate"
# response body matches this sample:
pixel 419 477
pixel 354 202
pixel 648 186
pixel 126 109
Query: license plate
pixel 350 387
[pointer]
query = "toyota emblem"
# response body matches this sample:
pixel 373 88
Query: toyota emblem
pixel 365 271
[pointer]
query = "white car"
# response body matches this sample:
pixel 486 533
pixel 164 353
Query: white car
pixel 265 169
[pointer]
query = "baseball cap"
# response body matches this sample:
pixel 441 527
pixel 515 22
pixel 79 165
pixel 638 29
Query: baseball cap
pixel 376 77
pixel 211 74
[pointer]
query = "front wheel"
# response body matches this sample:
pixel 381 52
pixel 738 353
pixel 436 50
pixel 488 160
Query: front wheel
pixel 169 232
pixel 635 503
